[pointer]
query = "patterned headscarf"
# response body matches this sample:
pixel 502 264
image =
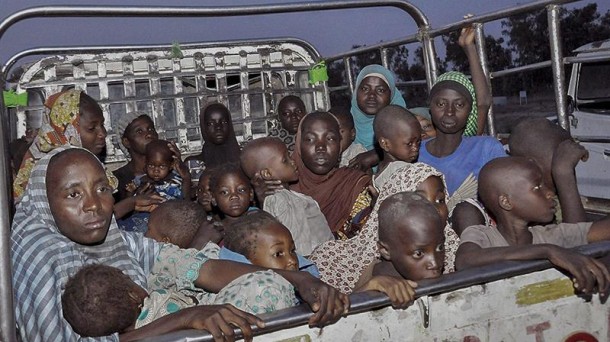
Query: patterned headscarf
pixel 364 122
pixel 341 263
pixel 458 77
pixel 277 131
pixel 59 128
pixel 43 259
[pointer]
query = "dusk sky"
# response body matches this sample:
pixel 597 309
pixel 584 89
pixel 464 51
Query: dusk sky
pixel 330 31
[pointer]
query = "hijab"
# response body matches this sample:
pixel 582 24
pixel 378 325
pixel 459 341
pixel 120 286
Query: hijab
pixel 59 128
pixel 214 155
pixel 43 259
pixel 335 191
pixel 460 83
pixel 341 263
pixel 364 122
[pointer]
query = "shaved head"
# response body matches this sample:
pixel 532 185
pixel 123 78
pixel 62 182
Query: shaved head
pixel 257 154
pixel 399 210
pixel 391 119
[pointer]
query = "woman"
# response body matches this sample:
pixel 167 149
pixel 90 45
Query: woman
pixel 375 89
pixel 65 221
pixel 342 193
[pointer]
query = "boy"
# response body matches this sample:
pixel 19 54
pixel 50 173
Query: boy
pixel 411 240
pixel 170 178
pixel 176 222
pixel 349 148
pixel 260 239
pixel 512 188
pixel 425 121
pixel 398 133
pixel 269 159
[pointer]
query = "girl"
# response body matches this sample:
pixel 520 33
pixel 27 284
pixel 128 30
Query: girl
pixel 65 221
pixel 342 193
pixel 290 112
pixel 346 265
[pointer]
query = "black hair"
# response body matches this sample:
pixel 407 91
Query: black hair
pixel 253 159
pixel 384 124
pixel 242 234
pixel 288 98
pixel 343 114
pixel 179 220
pixel 223 170
pixel 402 207
pixel 160 146
pixel 97 301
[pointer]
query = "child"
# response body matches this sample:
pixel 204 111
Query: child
pixel 411 240
pixel 204 196
pixel 176 222
pixel 231 192
pixel 164 172
pixel 268 158
pixel 290 111
pixel 264 241
pixel 399 134
pixel 349 148
pixel 425 121
pixel 548 145
pixel 100 300
pixel 512 188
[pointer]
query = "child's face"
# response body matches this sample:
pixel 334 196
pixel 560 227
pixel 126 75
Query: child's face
pixel 348 134
pixel 434 191
pixel 154 231
pixel 320 145
pixel 216 126
pixel 373 94
pixel 91 129
pixel 404 144
pixel 233 194
pixel 449 110
pixel 80 197
pixel 281 166
pixel 531 199
pixel 290 113
pixel 427 128
pixel 141 132
pixel 158 165
pixel 137 294
pixel 418 251
pixel 275 249
pixel 204 197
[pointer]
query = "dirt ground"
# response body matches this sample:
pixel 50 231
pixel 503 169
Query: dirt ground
pixel 508 115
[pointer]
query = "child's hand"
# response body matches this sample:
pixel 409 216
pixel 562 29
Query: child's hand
pixel 364 161
pixel 209 231
pixel 179 165
pixel 265 187
pixel 326 302
pixel 467 36
pixel 567 155
pixel 219 320
pixel 400 291
pixel 148 201
pixel 589 275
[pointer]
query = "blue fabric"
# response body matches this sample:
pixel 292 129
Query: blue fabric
pixel 136 222
pixel 469 157
pixel 363 122
pixel 169 189
pixel 304 263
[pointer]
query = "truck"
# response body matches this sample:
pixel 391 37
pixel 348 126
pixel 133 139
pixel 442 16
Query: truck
pixel 511 301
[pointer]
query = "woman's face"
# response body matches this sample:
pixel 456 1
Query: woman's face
pixel 140 132
pixel 216 126
pixel 80 197
pixel 449 110
pixel 91 129
pixel 373 94
pixel 320 144
pixel 290 113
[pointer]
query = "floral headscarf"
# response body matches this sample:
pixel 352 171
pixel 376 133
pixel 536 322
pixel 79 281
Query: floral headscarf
pixel 341 263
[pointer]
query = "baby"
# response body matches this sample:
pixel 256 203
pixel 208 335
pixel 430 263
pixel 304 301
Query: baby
pixel 399 135
pixel 512 188
pixel 264 241
pixel 267 159
pixel 411 240
pixel 176 222
pixel 100 300
pixel 425 121
pixel 168 176
pixel 349 148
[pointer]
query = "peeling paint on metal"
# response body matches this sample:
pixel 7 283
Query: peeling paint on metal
pixel 544 291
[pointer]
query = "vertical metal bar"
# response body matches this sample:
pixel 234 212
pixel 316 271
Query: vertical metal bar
pixel 179 105
pixel 385 61
pixel 129 84
pixel 348 74
pixel 102 73
pixel 557 65
pixel 155 89
pixel 429 56
pixel 482 52
pixel 7 313
pixel 244 83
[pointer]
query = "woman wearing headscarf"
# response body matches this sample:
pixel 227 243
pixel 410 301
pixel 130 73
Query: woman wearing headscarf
pixel 54 235
pixel 346 265
pixel 375 89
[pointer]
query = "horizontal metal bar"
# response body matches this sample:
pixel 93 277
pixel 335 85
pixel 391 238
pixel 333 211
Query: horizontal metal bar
pixel 529 67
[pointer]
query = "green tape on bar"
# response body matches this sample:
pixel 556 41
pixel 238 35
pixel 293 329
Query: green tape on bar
pixel 12 99
pixel 176 50
pixel 318 73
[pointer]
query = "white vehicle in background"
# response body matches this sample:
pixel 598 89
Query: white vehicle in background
pixel 589 115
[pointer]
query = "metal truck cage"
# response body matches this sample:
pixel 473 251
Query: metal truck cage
pixel 249 77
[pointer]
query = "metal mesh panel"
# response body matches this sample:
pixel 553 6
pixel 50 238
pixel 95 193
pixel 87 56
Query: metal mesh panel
pixel 248 77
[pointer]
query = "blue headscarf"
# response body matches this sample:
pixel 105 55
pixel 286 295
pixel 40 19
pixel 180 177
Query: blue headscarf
pixel 364 122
